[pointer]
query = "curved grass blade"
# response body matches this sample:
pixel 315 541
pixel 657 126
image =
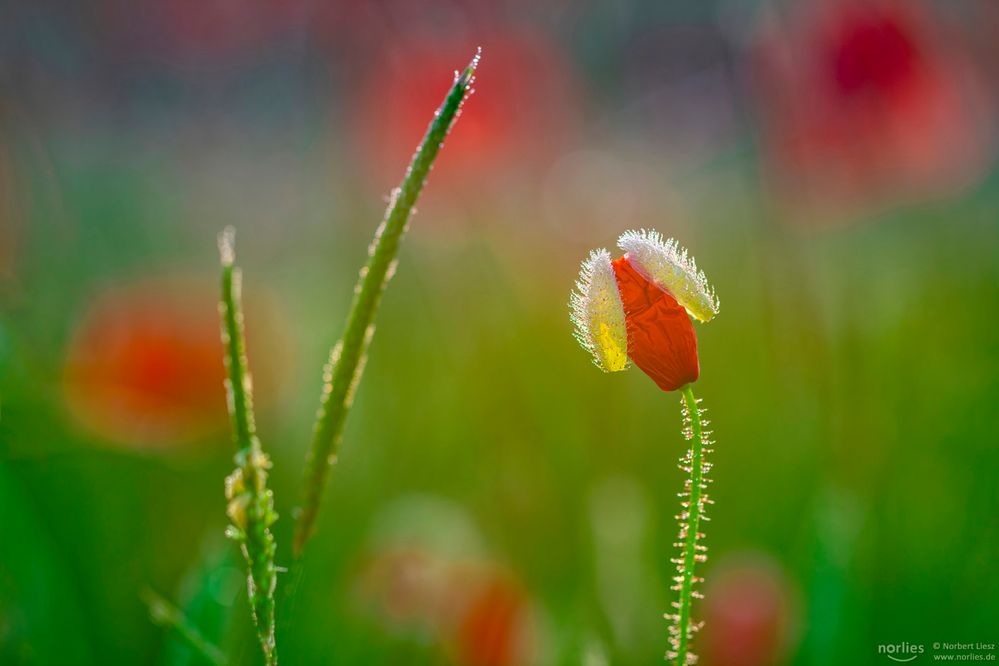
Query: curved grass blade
pixel 346 362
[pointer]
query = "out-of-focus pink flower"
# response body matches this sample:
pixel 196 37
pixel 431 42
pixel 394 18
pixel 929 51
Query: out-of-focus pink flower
pixel 475 609
pixel 747 611
pixel 864 102
pixel 428 574
pixel 144 365
pixel 518 118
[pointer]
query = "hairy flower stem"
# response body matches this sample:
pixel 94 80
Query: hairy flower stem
pixel 694 500
pixel 346 363
pixel 251 503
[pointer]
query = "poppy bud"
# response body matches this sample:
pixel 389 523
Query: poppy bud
pixel 639 306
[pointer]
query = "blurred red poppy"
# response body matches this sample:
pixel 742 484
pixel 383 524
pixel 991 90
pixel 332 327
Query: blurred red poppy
pixel 746 615
pixel 868 101
pixel 518 121
pixel 144 365
pixel 493 626
pixel 661 338
pixel 475 609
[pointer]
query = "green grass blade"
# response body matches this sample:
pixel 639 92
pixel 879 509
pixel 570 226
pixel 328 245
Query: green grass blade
pixel 343 370
pixel 251 503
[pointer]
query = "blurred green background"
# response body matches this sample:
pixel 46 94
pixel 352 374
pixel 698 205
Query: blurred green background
pixel 497 499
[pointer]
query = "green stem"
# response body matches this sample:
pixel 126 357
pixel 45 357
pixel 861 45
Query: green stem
pixel 694 500
pixel 167 615
pixel 343 370
pixel 251 503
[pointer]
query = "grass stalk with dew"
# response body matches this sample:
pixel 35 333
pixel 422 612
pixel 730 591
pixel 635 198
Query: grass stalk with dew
pixel 251 503
pixel 346 361
pixel 694 499
pixel 165 614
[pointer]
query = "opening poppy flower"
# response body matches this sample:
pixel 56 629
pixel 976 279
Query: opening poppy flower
pixel 639 308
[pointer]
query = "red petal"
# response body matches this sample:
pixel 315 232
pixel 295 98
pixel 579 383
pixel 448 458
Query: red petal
pixel 661 339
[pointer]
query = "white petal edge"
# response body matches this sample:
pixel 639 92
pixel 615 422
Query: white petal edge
pixel 598 314
pixel 663 261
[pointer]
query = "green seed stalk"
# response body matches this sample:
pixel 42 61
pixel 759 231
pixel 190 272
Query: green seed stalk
pixel 251 503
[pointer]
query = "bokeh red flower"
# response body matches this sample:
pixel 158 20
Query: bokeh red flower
pixel 867 103
pixel 509 129
pixel 475 609
pixel 748 611
pixel 428 575
pixel 144 365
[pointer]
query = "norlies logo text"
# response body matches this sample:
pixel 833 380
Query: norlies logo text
pixel 901 652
